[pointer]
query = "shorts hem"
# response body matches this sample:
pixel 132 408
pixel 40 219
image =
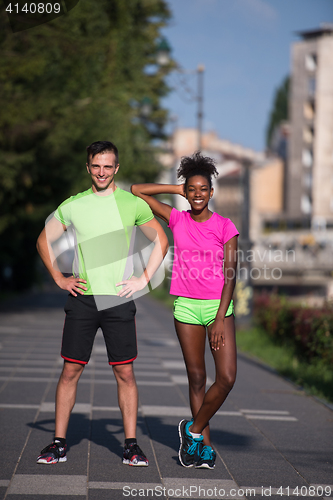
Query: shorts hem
pixel 74 360
pixel 186 323
pixel 122 362
pixel 232 314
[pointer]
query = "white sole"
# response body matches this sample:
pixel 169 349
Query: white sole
pixel 181 444
pixel 142 464
pixel 63 459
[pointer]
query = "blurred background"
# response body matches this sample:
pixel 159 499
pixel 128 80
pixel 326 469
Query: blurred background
pixel 248 82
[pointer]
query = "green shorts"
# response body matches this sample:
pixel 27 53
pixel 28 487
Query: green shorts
pixel 198 311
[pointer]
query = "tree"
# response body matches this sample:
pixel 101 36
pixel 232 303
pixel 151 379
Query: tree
pixel 279 111
pixel 63 85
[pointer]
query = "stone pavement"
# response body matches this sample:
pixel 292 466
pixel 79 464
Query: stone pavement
pixel 271 439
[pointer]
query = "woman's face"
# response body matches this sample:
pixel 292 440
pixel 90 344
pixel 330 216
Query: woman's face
pixel 198 192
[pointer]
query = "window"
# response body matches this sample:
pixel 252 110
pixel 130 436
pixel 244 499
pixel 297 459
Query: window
pixel 305 204
pixel 309 110
pixel 308 135
pixel 311 62
pixel 312 87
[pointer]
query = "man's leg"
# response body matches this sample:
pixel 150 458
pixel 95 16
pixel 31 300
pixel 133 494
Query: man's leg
pixel 127 397
pixel 118 327
pixel 128 404
pixel 81 324
pixel 65 400
pixel 66 395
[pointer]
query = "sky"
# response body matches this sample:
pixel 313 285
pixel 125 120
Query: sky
pixel 245 47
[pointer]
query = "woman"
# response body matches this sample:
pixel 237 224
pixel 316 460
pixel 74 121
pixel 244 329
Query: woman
pixel 202 241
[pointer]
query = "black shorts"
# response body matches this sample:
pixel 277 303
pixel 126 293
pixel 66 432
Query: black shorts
pixel 82 322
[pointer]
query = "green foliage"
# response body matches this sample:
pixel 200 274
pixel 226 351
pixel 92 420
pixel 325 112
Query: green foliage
pixel 308 330
pixel 315 377
pixel 64 84
pixel 279 111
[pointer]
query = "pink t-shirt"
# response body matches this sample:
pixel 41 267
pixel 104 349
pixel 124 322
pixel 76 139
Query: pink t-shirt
pixel 197 270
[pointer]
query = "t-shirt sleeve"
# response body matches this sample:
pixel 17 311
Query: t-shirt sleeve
pixel 174 218
pixel 63 212
pixel 143 212
pixel 229 231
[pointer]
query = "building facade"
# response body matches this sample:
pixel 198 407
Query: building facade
pixel 309 183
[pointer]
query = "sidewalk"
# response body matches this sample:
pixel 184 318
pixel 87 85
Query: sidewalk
pixel 271 439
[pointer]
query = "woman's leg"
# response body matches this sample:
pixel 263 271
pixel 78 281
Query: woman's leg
pixel 225 366
pixel 192 339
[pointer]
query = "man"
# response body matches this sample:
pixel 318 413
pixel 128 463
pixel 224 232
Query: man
pixel 100 290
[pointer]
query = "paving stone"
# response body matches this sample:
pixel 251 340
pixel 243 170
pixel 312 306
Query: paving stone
pixel 267 434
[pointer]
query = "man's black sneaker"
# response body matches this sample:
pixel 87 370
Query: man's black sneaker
pixel 52 454
pixel 189 446
pixel 207 458
pixel 133 455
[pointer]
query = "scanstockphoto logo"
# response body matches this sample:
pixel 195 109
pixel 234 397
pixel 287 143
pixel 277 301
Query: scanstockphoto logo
pixel 25 15
pixel 208 265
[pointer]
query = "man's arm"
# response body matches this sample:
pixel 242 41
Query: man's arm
pixel 154 232
pixel 51 233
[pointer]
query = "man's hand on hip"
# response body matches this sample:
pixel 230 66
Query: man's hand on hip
pixel 131 286
pixel 72 284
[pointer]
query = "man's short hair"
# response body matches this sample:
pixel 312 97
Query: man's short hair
pixel 102 147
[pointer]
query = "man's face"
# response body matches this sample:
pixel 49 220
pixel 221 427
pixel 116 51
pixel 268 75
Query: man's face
pixel 102 169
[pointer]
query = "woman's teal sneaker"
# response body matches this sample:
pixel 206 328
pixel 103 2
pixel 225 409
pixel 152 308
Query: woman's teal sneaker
pixel 207 458
pixel 189 446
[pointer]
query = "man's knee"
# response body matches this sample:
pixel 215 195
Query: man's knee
pixel 71 372
pixel 124 374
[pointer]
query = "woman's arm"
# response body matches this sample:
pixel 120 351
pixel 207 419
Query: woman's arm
pixel 230 266
pixel 148 191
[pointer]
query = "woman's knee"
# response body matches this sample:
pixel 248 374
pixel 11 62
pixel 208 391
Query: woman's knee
pixel 226 380
pixel 197 379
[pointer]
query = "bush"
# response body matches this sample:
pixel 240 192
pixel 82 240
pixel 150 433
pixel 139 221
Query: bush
pixel 308 330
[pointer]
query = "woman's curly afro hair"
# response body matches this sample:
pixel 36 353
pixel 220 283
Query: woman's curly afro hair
pixel 197 165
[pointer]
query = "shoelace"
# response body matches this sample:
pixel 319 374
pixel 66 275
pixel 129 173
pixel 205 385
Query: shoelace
pixel 51 447
pixel 206 453
pixel 135 449
pixel 191 449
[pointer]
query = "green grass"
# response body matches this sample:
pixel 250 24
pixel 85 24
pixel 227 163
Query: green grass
pixel 315 377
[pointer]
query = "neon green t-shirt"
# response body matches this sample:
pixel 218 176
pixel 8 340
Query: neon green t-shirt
pixel 103 228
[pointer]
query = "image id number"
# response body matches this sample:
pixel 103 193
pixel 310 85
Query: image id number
pixel 34 8
pixel 305 491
